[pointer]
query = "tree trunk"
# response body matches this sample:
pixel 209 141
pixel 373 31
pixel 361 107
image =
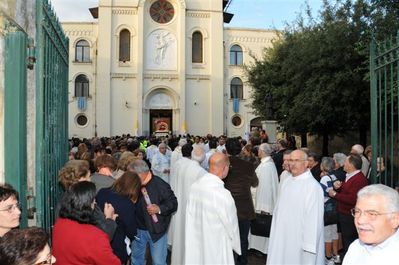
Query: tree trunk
pixel 325 144
pixel 304 140
pixel 363 136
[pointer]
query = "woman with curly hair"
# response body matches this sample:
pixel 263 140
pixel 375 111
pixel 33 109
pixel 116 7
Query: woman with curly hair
pixel 26 247
pixel 76 239
pixel 75 171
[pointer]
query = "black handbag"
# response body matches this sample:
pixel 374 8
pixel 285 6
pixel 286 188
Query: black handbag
pixel 330 212
pixel 261 225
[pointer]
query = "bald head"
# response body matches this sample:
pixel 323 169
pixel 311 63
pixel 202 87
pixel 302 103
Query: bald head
pixel 219 165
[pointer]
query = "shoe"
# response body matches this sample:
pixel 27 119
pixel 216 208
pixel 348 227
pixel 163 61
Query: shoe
pixel 329 261
pixel 337 259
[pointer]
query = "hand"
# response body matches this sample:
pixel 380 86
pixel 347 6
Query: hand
pixel 337 184
pixel 332 193
pixel 109 211
pixel 153 209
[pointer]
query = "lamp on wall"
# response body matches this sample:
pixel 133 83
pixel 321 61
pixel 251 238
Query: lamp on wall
pixel 195 103
pixel 127 104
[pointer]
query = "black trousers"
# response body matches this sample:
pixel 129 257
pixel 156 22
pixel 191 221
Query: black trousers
pixel 243 226
pixel 348 230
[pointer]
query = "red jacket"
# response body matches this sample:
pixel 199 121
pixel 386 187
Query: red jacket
pixel 81 244
pixel 347 194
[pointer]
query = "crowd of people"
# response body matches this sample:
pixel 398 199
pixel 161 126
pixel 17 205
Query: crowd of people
pixel 130 198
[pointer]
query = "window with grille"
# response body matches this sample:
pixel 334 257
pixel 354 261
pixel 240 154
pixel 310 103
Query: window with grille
pixel 197 50
pixel 82 51
pixel 236 55
pixel 236 88
pixel 81 86
pixel 124 46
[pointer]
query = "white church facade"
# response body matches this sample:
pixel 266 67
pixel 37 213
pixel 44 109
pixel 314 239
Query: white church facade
pixel 160 66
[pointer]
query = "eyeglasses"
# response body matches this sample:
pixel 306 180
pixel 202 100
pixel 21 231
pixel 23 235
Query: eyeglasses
pixel 295 160
pixel 48 260
pixel 11 208
pixel 370 214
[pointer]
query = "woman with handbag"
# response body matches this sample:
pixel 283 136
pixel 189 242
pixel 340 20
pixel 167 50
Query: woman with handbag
pixel 330 225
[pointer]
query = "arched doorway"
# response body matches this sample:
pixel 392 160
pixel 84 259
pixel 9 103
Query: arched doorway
pixel 161 107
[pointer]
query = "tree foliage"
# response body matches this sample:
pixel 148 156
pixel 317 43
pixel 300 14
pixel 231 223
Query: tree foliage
pixel 314 78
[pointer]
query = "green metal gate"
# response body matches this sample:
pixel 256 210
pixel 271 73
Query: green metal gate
pixel 15 75
pixel 384 76
pixel 51 110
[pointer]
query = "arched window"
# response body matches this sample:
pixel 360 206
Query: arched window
pixel 81 86
pixel 124 46
pixel 82 51
pixel 235 55
pixel 236 88
pixel 197 51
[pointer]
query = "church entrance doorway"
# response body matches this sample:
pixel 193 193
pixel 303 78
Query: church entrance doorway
pixel 161 122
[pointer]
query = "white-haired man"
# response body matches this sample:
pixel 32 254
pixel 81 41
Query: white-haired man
pixel 357 149
pixel 266 192
pixel 377 220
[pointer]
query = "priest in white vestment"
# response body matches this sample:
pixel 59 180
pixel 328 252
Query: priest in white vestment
pixel 266 193
pixel 211 218
pixel 176 154
pixel 160 163
pixel 188 173
pixel 297 232
pixel 173 182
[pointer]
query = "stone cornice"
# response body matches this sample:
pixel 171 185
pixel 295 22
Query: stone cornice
pixel 123 75
pixel 78 32
pixel 120 11
pixel 250 39
pixel 161 76
pixel 198 77
pixel 198 14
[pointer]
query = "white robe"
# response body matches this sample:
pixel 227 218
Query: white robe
pixel 211 223
pixel 265 198
pixel 188 172
pixel 176 155
pixel 173 185
pixel 297 232
pixel 159 163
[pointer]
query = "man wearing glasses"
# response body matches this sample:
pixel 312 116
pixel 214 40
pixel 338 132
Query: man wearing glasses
pixel 297 232
pixel 9 209
pixel 377 220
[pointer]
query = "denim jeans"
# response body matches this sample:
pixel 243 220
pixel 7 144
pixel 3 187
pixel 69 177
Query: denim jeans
pixel 158 249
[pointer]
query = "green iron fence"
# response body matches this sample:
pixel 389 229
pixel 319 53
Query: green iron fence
pixel 15 93
pixel 384 77
pixel 51 110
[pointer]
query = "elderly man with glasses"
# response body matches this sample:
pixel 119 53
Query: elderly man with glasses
pixel 9 209
pixel 377 220
pixel 297 232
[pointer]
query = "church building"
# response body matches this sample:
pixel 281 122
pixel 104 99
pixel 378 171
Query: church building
pixel 161 66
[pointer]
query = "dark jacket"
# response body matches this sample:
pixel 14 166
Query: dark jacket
pixel 162 195
pixel 240 179
pixel 126 220
pixel 278 160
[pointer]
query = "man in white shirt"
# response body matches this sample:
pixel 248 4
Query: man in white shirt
pixel 377 220
pixel 211 218
pixel 266 192
pixel 297 232
pixel 221 148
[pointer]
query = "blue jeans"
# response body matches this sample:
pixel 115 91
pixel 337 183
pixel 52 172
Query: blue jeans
pixel 158 249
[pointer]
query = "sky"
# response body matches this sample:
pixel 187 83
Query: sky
pixel 263 14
